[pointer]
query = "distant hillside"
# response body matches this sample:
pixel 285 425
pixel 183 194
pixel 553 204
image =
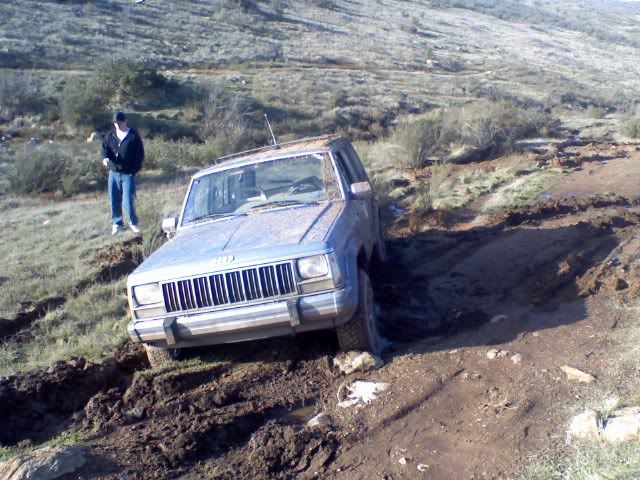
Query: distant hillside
pixel 316 54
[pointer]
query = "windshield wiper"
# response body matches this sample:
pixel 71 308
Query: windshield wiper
pixel 216 215
pixel 282 203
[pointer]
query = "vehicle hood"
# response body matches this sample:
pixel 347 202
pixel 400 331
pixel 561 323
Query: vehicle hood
pixel 227 243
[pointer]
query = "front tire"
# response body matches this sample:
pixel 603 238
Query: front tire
pixel 361 332
pixel 158 356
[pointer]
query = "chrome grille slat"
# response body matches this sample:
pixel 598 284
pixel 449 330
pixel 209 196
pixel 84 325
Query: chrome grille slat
pixel 236 286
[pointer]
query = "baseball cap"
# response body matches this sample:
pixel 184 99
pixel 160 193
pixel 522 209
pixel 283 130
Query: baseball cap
pixel 119 117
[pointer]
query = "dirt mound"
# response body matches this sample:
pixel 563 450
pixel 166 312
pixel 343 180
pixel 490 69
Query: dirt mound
pixel 554 208
pixel 278 451
pixel 117 260
pixel 39 404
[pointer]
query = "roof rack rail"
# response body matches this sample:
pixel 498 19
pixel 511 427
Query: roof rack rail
pixel 276 147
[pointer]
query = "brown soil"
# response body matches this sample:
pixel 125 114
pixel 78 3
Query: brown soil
pixel 540 281
pixel 117 260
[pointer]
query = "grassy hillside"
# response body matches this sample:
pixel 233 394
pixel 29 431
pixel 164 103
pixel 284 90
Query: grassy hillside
pixel 318 54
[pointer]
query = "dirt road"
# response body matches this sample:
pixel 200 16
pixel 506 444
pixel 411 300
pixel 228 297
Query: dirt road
pixel 539 285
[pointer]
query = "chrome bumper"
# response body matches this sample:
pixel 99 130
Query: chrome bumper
pixel 313 312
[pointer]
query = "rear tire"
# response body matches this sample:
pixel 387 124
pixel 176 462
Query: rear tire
pixel 361 332
pixel 158 356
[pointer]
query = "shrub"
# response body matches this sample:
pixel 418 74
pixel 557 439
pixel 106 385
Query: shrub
pixel 81 104
pixel 17 94
pixel 129 82
pixel 420 139
pixel 52 168
pixel 631 128
pixel 489 127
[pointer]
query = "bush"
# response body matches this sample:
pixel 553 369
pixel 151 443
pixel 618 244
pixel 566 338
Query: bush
pixel 488 127
pixel 129 82
pixel 631 128
pixel 53 168
pixel 18 95
pixel 420 139
pixel 81 104
pixel 169 155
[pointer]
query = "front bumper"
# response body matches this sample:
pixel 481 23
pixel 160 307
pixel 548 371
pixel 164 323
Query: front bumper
pixel 273 319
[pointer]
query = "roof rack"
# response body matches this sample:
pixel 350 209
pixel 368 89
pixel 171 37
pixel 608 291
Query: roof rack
pixel 277 146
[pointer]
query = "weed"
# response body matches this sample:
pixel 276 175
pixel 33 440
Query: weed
pixel 631 128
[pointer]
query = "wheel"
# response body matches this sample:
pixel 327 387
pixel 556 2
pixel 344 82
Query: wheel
pixel 361 332
pixel 158 356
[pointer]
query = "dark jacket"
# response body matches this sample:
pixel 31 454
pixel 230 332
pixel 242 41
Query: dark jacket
pixel 126 157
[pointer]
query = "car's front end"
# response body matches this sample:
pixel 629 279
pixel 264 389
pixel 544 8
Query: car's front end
pixel 254 256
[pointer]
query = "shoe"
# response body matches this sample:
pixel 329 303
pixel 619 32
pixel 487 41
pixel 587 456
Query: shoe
pixel 115 229
pixel 134 228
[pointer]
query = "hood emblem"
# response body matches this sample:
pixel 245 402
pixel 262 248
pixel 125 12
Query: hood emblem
pixel 225 259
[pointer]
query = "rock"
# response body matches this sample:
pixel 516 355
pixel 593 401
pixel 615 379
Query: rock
pixel 498 319
pixel 491 354
pixel 360 392
pixel 351 362
pixel 578 375
pixel 625 411
pixel 517 359
pixel 94 137
pixel 503 353
pixel 45 463
pixel 586 425
pixel 422 467
pixel 316 420
pixel 623 428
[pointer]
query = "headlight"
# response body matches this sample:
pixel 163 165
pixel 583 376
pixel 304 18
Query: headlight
pixel 312 267
pixel 148 294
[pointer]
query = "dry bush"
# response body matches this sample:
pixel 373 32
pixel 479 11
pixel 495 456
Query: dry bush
pixel 69 169
pixel 631 128
pixel 18 95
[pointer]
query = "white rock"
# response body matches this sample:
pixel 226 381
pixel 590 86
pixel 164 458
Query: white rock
pixel 491 354
pixel 351 362
pixel 362 392
pixel 578 375
pixel 315 421
pixel 402 461
pixel 611 403
pixel 422 467
pixel 45 463
pixel 517 358
pixel 623 428
pixel 503 353
pixel 585 425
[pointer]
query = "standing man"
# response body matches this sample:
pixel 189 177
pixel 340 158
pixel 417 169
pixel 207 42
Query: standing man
pixel 122 154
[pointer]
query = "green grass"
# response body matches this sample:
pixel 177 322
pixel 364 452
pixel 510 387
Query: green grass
pixel 64 438
pixel 54 259
pixel 521 191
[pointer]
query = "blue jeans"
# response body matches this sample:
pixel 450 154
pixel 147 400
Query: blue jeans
pixel 122 190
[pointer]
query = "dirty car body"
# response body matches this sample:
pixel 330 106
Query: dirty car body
pixel 268 243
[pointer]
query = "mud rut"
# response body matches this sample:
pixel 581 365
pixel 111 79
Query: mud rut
pixel 243 417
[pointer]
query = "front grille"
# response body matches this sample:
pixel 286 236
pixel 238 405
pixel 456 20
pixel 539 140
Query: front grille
pixel 229 287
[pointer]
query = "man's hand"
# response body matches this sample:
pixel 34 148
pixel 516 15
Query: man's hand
pixel 106 162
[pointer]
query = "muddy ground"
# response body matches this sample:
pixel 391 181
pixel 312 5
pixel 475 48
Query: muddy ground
pixel 540 282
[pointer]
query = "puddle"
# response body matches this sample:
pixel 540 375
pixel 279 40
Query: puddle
pixel 298 415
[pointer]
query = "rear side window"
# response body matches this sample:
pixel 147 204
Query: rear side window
pixel 350 174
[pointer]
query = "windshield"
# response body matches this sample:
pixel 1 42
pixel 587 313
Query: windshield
pixel 264 185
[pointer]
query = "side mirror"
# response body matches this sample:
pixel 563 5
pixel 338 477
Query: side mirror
pixel 361 190
pixel 169 226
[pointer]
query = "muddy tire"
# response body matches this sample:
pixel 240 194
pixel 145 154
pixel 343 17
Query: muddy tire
pixel 161 356
pixel 361 332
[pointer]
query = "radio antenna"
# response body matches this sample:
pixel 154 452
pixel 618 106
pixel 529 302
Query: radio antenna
pixel 270 129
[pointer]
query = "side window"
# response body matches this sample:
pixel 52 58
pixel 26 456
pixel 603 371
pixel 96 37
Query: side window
pixel 346 168
pixel 355 160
